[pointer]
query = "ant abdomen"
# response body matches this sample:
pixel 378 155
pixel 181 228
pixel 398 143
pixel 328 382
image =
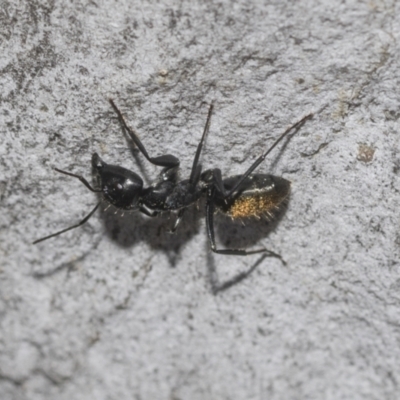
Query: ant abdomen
pixel 260 196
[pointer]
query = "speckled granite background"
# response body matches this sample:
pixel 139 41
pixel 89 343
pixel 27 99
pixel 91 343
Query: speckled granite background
pixel 120 309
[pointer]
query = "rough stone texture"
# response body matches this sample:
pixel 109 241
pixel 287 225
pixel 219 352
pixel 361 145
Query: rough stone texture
pixel 120 309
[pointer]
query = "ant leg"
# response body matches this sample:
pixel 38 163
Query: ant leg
pixel 71 227
pixel 196 169
pixel 151 213
pixel 210 209
pixel 260 159
pixel 217 287
pixel 146 211
pixel 168 160
pixel 81 178
pixel 217 181
pixel 178 220
pixel 195 173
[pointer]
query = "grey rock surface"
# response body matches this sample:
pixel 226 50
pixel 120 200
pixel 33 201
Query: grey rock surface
pixel 119 308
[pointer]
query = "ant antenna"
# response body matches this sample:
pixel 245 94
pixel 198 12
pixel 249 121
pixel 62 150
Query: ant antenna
pixel 87 184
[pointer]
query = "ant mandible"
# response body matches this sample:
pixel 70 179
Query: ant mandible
pixel 240 196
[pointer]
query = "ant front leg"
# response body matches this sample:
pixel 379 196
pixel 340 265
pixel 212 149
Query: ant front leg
pixel 210 210
pixel 168 160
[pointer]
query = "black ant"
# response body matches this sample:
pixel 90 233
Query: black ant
pixel 240 196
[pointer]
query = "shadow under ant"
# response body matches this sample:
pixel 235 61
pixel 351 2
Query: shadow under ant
pixel 128 229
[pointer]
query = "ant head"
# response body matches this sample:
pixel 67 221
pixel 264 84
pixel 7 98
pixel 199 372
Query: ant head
pixel 121 187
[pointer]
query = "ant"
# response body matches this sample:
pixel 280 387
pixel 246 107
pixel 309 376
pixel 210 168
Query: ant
pixel 240 196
